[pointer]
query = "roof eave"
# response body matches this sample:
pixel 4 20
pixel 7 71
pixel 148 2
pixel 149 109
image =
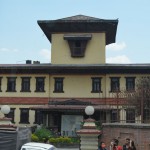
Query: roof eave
pixel 107 26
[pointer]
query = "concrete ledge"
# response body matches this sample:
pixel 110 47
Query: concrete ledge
pixel 127 125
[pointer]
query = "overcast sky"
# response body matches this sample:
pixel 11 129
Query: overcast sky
pixel 22 39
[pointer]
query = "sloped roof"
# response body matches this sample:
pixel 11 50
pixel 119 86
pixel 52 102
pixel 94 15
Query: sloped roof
pixel 80 24
pixel 80 17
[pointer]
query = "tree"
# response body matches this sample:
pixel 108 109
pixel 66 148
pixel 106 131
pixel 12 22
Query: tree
pixel 140 98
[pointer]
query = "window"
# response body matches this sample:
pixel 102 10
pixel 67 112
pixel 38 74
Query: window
pixel 11 84
pixel 24 115
pixel 130 83
pixel 130 116
pixel 25 86
pixel 11 114
pixel 77 44
pixel 146 115
pixel 96 85
pixel 77 48
pixel 58 87
pixel 0 84
pixel 115 85
pixel 114 115
pixel 38 117
pixel 40 84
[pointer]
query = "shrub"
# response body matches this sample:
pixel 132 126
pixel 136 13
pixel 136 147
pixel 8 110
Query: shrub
pixel 75 140
pixel 60 140
pixel 53 140
pixel 43 133
pixel 34 138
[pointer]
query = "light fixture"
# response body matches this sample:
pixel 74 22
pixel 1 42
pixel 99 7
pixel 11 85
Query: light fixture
pixel 89 110
pixel 5 109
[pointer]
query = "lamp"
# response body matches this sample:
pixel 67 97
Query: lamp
pixel 5 109
pixel 89 110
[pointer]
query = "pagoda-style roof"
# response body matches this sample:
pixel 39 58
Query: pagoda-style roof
pixel 74 69
pixel 80 24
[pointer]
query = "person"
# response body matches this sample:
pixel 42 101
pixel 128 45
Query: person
pixel 129 145
pixel 114 145
pixel 102 146
pixel 132 145
pixel 126 146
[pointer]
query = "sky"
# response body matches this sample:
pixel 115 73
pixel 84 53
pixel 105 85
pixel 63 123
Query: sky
pixel 22 39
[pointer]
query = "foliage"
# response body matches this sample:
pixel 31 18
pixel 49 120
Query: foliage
pixel 34 138
pixel 43 133
pixel 75 140
pixel 61 139
pixel 98 125
pixel 140 98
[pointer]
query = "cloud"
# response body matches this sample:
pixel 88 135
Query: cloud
pixel 122 59
pixel 116 46
pixel 8 50
pixel 46 54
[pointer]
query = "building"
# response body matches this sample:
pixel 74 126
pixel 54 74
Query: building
pixel 56 94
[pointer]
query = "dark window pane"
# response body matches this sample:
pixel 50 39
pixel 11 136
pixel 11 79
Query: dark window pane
pixel 96 84
pixel 114 116
pixel 77 47
pixel 38 117
pixel 24 115
pixel 130 116
pixel 130 83
pixel 115 85
pixel 25 84
pixel 58 87
pixel 11 84
pixel 11 114
pixel 40 84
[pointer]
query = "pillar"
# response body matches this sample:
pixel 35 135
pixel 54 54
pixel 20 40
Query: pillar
pixel 89 135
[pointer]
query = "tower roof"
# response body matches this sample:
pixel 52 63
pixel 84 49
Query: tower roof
pixel 80 24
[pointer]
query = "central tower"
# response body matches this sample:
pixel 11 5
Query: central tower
pixel 79 39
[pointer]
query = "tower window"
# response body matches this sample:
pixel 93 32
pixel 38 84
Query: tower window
pixel 77 44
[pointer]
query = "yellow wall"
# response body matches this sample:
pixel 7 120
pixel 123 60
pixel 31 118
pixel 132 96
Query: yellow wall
pixel 18 86
pixel 17 115
pixel 94 53
pixel 74 86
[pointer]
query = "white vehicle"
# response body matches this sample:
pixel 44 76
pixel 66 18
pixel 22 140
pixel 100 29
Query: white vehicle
pixel 38 146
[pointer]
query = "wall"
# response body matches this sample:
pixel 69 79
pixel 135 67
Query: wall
pixel 75 86
pixel 18 86
pixel 139 133
pixel 94 54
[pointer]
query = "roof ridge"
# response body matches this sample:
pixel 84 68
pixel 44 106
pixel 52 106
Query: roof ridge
pixel 80 17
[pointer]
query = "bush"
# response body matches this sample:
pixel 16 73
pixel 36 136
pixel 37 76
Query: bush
pixel 43 134
pixel 66 140
pixel 75 140
pixel 53 140
pixel 34 138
